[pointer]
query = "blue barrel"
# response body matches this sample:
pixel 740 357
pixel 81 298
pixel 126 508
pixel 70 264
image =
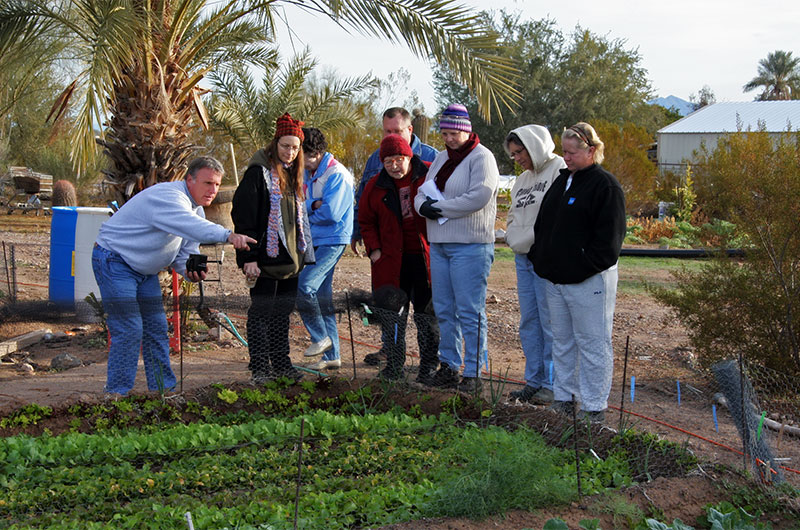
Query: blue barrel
pixel 62 254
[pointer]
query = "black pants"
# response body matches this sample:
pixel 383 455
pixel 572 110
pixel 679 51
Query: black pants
pixel 272 301
pixel 414 283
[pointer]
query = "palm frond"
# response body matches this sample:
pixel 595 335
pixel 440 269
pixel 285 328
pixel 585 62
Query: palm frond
pixel 21 22
pixel 226 27
pixel 446 32
pixel 233 120
pixel 324 101
pixel 291 78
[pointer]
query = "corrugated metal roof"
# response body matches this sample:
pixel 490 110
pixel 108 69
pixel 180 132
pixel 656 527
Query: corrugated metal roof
pixel 726 117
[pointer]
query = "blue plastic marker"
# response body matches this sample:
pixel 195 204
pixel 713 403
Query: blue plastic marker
pixel 633 387
pixel 714 412
pixel 679 392
pixel 550 368
pixel 395 332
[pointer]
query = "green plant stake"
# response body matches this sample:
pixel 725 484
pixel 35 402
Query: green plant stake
pixel 760 425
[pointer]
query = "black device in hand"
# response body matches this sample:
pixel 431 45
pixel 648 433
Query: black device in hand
pixel 197 263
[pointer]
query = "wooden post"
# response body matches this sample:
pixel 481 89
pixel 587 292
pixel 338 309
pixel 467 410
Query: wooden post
pixel 421 124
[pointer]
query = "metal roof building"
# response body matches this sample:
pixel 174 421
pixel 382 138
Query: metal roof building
pixel 678 141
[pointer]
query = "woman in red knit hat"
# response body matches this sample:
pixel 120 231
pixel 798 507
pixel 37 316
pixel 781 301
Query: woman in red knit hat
pixel 268 206
pixel 396 241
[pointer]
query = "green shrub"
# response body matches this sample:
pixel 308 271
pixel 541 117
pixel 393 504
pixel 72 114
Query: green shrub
pixel 751 307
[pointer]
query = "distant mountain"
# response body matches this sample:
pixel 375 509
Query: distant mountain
pixel 681 105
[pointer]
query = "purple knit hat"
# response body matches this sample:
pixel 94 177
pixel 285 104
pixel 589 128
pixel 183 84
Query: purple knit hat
pixel 456 117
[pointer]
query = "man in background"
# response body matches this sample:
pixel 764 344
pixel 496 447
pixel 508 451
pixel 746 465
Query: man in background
pixel 396 120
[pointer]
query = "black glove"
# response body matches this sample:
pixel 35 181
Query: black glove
pixel 427 209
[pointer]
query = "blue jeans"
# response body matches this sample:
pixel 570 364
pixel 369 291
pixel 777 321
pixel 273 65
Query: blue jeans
pixel 136 322
pixel 534 324
pixel 459 276
pixel 315 297
pixel 582 318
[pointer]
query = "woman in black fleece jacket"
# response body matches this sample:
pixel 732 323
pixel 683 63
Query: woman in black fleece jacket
pixel 579 233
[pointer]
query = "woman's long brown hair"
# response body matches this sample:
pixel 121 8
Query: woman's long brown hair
pixel 291 177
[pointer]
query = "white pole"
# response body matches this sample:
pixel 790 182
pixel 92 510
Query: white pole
pixel 188 516
pixel 233 161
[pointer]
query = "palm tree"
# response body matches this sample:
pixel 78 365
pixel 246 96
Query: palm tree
pixel 141 62
pixel 247 113
pixel 779 74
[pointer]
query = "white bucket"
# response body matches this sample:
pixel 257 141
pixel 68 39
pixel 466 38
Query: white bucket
pixel 76 277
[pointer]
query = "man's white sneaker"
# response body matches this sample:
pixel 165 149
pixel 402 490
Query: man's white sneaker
pixel 318 348
pixel 325 365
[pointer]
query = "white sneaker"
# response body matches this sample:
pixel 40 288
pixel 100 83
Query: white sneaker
pixel 318 348
pixel 325 365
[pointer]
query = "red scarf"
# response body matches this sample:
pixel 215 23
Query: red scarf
pixel 454 158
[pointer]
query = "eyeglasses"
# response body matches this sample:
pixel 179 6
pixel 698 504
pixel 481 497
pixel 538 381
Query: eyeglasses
pixel 394 160
pixel 582 135
pixel 288 147
pixel 517 152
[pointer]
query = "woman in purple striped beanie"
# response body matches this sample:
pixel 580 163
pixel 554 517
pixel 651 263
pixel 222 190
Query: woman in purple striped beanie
pixel 458 199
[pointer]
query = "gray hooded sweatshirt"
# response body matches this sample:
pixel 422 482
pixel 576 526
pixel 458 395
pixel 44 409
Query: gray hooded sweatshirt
pixel 530 187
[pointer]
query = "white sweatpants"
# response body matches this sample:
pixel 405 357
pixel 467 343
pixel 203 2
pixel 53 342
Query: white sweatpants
pixel 582 317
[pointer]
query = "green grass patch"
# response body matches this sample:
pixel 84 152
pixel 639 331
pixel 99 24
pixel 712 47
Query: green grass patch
pixel 667 264
pixel 503 254
pixel 635 273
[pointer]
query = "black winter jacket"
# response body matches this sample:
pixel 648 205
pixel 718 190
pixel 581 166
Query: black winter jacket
pixel 250 215
pixel 579 232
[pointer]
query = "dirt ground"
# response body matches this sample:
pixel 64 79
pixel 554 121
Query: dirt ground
pixel 658 356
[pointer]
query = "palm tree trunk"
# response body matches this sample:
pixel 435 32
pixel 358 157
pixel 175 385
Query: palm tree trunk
pixel 147 137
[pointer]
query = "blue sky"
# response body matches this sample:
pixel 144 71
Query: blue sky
pixel 684 44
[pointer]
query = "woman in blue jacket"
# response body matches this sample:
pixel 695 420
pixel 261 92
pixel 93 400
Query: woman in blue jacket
pixel 329 203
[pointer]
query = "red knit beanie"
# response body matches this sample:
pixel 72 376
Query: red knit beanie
pixel 393 145
pixel 288 126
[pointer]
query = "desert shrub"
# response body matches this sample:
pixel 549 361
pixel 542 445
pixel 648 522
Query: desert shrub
pixel 650 229
pixel 717 233
pixel 714 233
pixel 751 307
pixel 685 197
pixel 686 236
pixel 626 158
pixel 666 182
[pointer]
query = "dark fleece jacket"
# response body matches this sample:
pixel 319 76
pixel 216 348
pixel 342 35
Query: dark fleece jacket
pixel 579 231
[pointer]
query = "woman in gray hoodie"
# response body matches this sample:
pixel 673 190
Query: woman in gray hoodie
pixel 531 146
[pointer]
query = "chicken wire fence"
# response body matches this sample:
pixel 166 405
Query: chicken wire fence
pixel 735 407
pixel 740 407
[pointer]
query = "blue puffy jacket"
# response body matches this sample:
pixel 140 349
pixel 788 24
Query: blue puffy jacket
pixel 331 183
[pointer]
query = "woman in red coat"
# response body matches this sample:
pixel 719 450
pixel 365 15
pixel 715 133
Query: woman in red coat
pixel 395 238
